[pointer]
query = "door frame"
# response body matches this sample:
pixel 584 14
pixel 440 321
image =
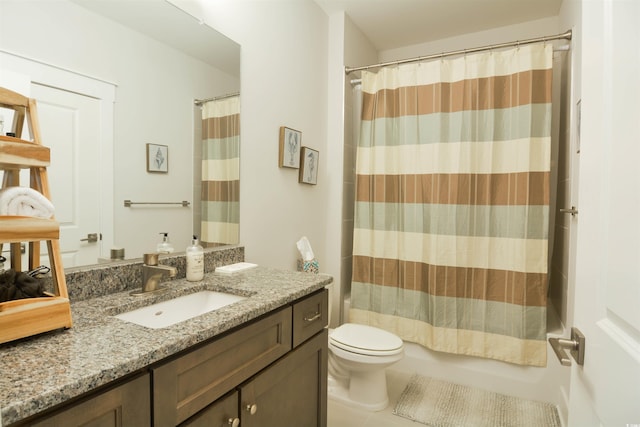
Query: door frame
pixel 57 77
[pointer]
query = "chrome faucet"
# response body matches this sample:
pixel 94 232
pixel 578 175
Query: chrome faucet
pixel 152 274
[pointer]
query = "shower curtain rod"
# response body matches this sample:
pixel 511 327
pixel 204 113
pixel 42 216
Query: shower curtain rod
pixel 566 35
pixel 215 98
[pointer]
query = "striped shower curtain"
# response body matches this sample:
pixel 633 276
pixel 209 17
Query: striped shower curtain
pixel 452 203
pixel 220 172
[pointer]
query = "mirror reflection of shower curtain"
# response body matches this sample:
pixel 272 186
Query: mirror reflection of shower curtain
pixel 220 172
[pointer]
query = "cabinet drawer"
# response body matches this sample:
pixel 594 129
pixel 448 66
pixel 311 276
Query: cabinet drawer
pixel 185 385
pixel 223 412
pixel 309 316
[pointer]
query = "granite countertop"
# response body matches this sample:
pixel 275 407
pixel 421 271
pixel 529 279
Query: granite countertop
pixel 40 372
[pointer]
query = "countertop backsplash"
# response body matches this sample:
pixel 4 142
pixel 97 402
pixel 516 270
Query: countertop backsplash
pixel 126 275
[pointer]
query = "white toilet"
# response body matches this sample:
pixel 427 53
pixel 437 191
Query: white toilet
pixel 358 356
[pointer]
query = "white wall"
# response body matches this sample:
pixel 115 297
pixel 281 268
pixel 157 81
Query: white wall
pixel 284 83
pixel 525 30
pixel 156 86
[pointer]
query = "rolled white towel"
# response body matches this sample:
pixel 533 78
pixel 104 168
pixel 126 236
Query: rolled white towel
pixel 25 201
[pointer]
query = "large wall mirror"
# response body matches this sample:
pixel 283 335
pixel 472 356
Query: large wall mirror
pixel 117 84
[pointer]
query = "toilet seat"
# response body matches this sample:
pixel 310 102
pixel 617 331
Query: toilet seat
pixel 365 340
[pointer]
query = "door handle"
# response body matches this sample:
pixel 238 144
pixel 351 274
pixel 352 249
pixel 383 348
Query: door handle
pixel 575 345
pixel 91 238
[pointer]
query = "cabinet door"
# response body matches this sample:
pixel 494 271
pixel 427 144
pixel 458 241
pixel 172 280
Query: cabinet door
pixel 291 392
pixel 128 404
pixel 189 383
pixel 222 413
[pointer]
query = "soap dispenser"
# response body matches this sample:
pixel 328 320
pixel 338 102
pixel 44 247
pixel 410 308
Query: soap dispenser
pixel 195 261
pixel 164 247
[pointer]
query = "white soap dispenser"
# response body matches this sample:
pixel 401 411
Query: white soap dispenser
pixel 164 247
pixel 195 261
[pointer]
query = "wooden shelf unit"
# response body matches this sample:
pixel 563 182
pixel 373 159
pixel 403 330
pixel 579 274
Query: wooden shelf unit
pixel 30 316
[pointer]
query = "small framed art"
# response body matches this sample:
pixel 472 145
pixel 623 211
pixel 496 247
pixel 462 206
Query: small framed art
pixel 290 142
pixel 308 166
pixel 157 158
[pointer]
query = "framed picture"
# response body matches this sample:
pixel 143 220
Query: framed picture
pixel 157 158
pixel 308 166
pixel 290 142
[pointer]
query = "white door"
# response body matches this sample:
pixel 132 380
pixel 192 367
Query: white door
pixel 606 390
pixel 70 126
pixel 76 121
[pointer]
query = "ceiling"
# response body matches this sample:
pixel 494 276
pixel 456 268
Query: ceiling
pixel 165 22
pixel 391 24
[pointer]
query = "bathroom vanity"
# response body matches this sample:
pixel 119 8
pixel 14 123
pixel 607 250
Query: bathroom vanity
pixel 259 362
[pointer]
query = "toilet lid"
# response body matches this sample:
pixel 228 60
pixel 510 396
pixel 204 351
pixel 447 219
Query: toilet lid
pixel 365 339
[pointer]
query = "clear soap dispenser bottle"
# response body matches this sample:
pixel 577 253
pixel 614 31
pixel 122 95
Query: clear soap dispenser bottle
pixel 164 247
pixel 195 261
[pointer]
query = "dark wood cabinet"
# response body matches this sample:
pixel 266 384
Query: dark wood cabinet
pixel 270 372
pixel 291 392
pixel 189 383
pixel 127 404
pixel 222 413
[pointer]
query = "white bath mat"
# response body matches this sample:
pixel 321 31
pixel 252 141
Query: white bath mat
pixel 442 404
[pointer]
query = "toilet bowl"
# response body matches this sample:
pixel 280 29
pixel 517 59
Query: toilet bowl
pixel 358 356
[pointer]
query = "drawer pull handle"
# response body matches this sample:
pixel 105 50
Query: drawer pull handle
pixel 314 316
pixel 234 422
pixel 252 409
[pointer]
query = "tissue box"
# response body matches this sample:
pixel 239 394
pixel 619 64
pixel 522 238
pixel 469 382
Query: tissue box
pixel 308 266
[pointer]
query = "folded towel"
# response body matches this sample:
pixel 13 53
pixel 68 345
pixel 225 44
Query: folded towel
pixel 18 285
pixel 25 201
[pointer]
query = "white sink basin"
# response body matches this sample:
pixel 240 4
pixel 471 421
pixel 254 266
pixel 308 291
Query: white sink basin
pixel 179 309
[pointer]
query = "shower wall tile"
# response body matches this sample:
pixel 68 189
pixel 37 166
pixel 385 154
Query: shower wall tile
pixel 348 197
pixel 348 205
pixel 345 275
pixel 349 168
pixel 559 268
pixel 347 237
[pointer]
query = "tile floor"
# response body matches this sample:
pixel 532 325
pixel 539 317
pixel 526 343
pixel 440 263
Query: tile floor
pixel 340 415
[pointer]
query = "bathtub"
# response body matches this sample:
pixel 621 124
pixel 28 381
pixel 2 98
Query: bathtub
pixel 549 384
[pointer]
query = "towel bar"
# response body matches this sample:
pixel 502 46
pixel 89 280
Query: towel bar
pixel 128 203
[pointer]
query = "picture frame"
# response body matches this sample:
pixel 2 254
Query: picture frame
pixel 290 143
pixel 309 160
pixel 157 158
